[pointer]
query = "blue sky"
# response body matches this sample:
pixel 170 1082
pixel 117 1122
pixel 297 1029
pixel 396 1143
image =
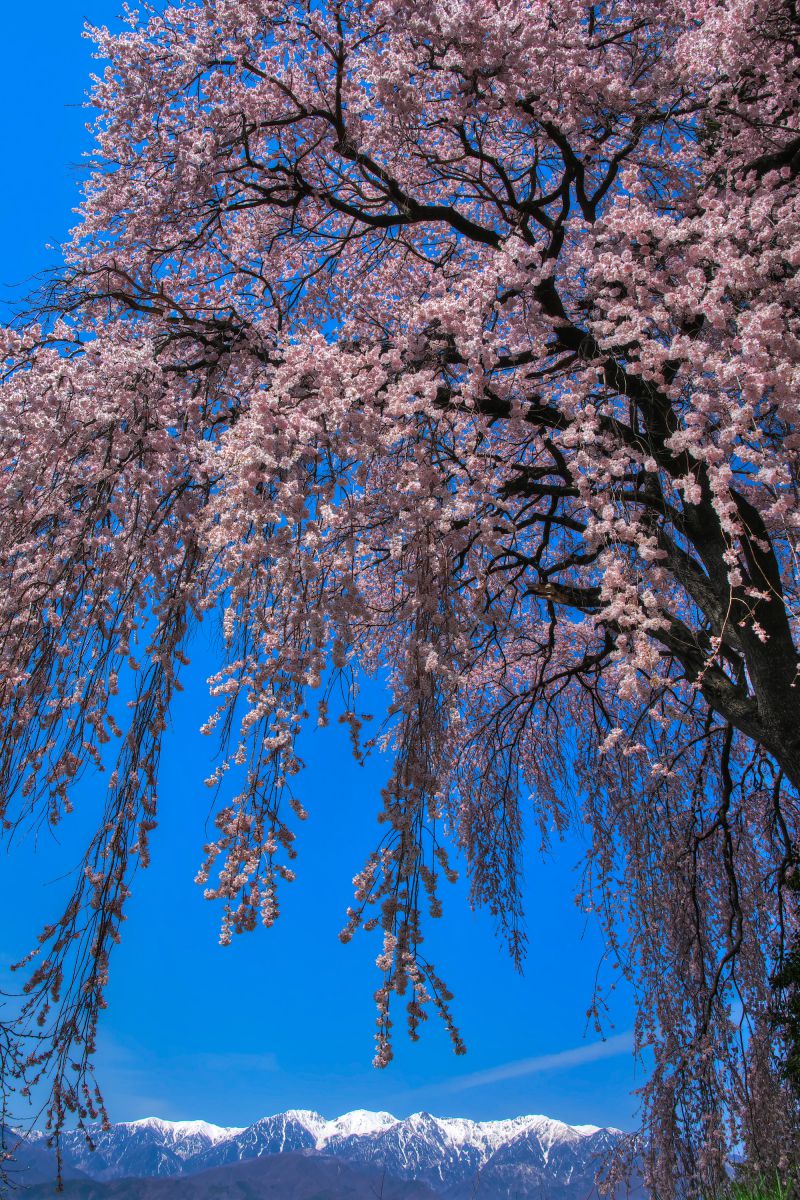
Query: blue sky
pixel 282 1018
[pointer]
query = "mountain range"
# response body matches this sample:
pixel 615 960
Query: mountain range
pixel 299 1155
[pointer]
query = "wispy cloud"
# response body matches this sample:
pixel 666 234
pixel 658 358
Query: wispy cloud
pixel 561 1060
pixel 256 1063
pixel 141 1081
pixel 129 1056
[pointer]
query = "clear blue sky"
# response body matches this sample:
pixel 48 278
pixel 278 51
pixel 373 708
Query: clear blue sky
pixel 281 1018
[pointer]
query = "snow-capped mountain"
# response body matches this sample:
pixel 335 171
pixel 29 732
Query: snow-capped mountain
pixel 444 1152
pixel 453 1157
pixel 150 1147
pixel 359 1123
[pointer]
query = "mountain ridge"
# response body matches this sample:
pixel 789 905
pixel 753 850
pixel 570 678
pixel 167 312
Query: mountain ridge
pixel 451 1158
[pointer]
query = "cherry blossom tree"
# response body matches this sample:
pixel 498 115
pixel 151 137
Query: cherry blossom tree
pixel 457 343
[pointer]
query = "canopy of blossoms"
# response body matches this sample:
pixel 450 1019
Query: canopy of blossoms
pixel 459 342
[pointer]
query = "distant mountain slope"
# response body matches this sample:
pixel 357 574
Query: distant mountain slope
pixel 287 1176
pixel 32 1162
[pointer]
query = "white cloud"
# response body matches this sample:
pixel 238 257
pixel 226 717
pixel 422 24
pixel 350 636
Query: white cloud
pixel 621 1043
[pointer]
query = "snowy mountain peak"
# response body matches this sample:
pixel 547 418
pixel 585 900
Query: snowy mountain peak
pixel 307 1117
pixel 186 1129
pixel 355 1124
